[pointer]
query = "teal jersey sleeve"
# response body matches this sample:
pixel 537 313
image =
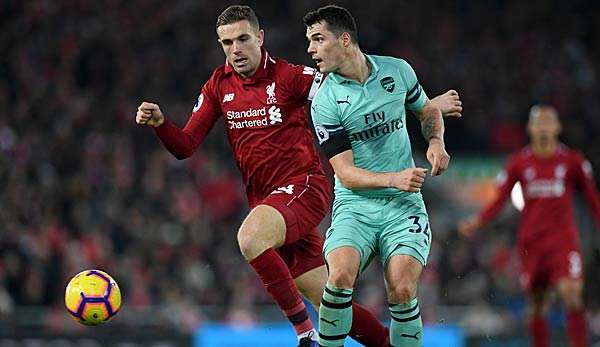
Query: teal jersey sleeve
pixel 328 125
pixel 415 97
pixel 322 110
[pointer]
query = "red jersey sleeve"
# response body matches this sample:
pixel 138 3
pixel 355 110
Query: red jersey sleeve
pixel 305 82
pixel 585 181
pixel 506 181
pixel 183 142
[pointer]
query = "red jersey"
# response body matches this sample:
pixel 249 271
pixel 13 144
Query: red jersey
pixel 266 122
pixel 548 184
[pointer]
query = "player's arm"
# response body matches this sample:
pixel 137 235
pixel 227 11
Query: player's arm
pixel 335 143
pixel 430 116
pixel 585 180
pixel 506 181
pixel 304 82
pixel 352 177
pixel 432 127
pixel 182 143
pixel 449 103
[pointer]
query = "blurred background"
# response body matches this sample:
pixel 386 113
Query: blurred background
pixel 82 186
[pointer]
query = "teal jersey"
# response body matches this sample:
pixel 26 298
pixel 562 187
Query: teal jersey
pixel 372 118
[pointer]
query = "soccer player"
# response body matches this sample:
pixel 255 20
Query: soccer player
pixel 262 101
pixel 359 117
pixel 547 241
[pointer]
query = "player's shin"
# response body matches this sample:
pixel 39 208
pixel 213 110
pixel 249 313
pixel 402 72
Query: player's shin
pixel 335 316
pixel 538 329
pixel 576 328
pixel 406 327
pixel 277 280
pixel 367 329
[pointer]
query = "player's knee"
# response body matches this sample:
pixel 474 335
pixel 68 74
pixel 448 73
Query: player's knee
pixel 571 294
pixel 342 277
pixel 400 293
pixel 538 309
pixel 315 300
pixel 539 305
pixel 264 228
pixel 573 302
pixel 251 244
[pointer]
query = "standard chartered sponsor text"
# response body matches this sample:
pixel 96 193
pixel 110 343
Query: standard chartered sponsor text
pixel 252 123
pixel 251 112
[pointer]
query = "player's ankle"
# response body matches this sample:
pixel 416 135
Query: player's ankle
pixel 312 334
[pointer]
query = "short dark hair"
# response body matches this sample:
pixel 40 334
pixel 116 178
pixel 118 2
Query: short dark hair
pixel 338 19
pixel 236 13
pixel 537 108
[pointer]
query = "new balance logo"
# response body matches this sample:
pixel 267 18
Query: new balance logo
pixel 288 190
pixel 347 101
pixel 415 336
pixel 308 70
pixel 274 115
pixel 330 322
pixel 228 97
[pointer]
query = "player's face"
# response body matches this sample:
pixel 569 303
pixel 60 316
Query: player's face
pixel 324 47
pixel 544 126
pixel 241 43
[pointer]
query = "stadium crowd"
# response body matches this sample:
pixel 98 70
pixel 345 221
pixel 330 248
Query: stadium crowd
pixel 81 186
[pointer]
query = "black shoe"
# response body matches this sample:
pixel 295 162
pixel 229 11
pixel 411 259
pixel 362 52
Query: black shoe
pixel 307 341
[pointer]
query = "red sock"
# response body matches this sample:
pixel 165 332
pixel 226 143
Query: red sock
pixel 538 328
pixel 278 281
pixel 577 328
pixel 367 329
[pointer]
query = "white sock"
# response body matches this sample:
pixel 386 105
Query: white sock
pixel 311 333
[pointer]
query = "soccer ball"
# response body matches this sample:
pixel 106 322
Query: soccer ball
pixel 92 297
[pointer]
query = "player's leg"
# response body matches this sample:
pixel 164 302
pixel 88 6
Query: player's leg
pixel 349 246
pixel 404 248
pixel 539 304
pixel 366 328
pixel 402 275
pixel 570 291
pixel 535 279
pixel 335 311
pixel 568 281
pixel 311 285
pixel 263 230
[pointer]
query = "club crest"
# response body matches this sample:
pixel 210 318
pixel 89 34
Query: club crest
pixel 388 84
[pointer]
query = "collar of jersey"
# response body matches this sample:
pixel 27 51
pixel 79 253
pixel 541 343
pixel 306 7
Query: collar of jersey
pixel 261 72
pixel 340 79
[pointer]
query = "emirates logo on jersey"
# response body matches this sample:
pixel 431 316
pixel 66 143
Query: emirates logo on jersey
pixel 271 99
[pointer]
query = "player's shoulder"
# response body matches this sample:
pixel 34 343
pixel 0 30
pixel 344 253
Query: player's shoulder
pixel 520 156
pixel 219 74
pixel 387 61
pixel 326 92
pixel 572 154
pixel 283 64
pixel 286 69
pixel 564 150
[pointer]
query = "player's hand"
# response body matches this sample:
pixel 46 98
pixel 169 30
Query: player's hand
pixel 449 103
pixel 149 114
pixel 408 180
pixel 468 227
pixel 437 156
